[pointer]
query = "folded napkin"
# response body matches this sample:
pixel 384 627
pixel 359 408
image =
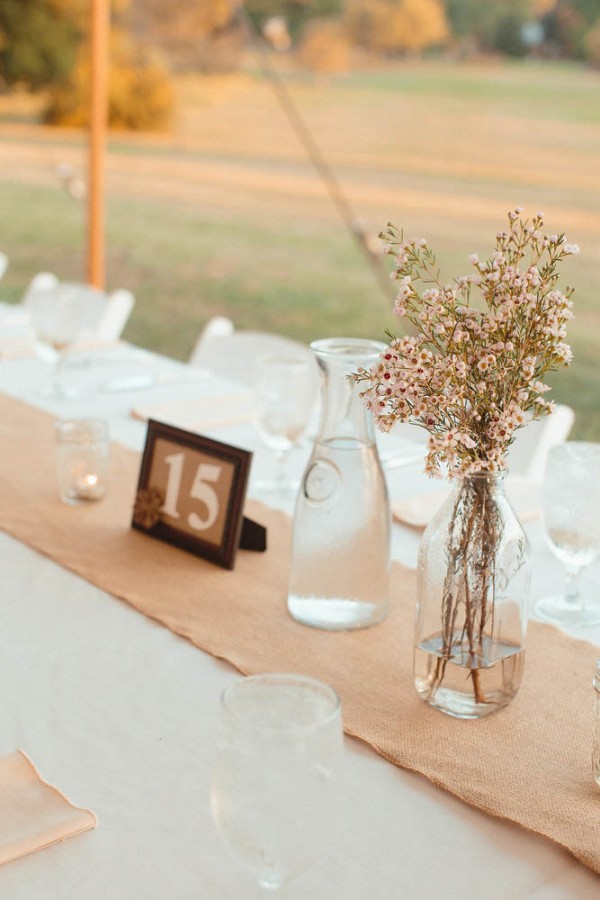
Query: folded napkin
pixel 202 412
pixel 418 510
pixel 33 813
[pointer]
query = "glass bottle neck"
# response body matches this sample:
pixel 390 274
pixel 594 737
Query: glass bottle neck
pixel 344 416
pixel 484 479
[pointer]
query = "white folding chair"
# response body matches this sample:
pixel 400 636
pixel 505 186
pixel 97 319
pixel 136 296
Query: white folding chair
pixel 43 281
pixel 527 455
pixel 119 305
pixel 216 327
pixel 3 264
pixel 234 354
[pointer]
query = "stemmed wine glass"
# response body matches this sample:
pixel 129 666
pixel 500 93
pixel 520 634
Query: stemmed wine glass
pixel 285 390
pixel 62 314
pixel 277 775
pixel 571 523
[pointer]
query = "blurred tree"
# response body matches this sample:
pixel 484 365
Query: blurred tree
pixel 567 25
pixel 592 46
pixel 392 26
pixel 507 35
pixel 324 47
pixel 140 91
pixel 588 9
pixel 38 41
pixel 494 26
pixel 541 7
pixel 295 12
pixel 192 36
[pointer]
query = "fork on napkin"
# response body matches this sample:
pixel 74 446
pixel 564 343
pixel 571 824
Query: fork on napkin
pixel 33 813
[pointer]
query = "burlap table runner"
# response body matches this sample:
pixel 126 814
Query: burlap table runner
pixel 529 763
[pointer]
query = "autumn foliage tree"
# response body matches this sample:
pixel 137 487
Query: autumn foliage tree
pixel 140 90
pixel 192 36
pixel 569 24
pixel 397 26
pixel 496 26
pixel 38 41
pixel 296 13
pixel 324 48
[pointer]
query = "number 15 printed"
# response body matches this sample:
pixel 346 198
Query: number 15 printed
pixel 201 486
pixel 207 474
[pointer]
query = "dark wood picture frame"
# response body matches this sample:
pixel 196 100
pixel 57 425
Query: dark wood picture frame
pixel 149 512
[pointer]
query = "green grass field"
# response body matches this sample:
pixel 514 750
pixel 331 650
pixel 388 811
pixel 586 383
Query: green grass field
pixel 226 215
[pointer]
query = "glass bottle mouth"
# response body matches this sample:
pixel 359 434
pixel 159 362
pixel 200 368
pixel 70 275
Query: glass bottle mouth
pixel 490 477
pixel 81 431
pixel 354 351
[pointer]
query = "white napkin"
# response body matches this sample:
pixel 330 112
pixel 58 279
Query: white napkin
pixel 418 510
pixel 201 413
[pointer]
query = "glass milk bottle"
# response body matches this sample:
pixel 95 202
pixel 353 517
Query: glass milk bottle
pixel 472 601
pixel 340 563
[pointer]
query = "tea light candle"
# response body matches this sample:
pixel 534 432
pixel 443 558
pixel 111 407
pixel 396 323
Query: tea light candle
pixel 89 487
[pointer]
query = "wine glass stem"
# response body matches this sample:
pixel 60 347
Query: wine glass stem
pixel 572 591
pixel 281 458
pixel 56 388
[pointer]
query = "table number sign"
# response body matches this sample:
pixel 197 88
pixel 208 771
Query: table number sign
pixel 191 492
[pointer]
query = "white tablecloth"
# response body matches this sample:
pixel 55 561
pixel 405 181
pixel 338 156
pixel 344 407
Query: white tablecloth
pixel 120 714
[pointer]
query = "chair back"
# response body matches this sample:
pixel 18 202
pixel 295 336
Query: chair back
pixel 527 455
pixel 118 308
pixel 43 281
pixel 235 356
pixel 217 327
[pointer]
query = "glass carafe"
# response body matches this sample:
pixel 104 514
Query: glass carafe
pixel 340 563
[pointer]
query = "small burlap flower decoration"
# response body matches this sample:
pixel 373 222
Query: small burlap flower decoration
pixel 146 511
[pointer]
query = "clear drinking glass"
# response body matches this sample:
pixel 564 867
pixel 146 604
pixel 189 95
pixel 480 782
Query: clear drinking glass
pixel 571 523
pixel 277 774
pixel 285 399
